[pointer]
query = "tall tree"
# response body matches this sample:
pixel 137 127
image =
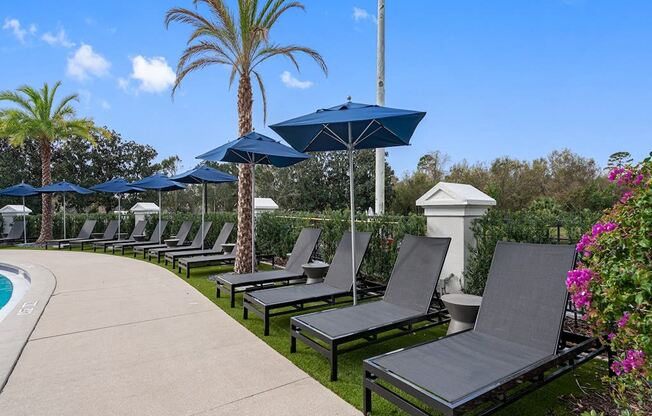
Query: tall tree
pixel 36 117
pixel 241 43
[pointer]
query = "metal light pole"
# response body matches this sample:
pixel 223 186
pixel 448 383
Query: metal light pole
pixel 380 100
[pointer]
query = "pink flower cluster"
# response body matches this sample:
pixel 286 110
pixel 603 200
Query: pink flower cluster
pixel 577 283
pixel 626 197
pixel 625 176
pixel 623 321
pixel 586 241
pixel 633 359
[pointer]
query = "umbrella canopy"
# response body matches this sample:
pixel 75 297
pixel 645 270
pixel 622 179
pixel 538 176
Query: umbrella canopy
pixel 117 186
pixel 204 175
pixel 371 126
pixel 348 127
pixel 161 183
pixel 21 190
pixel 63 187
pixel 255 149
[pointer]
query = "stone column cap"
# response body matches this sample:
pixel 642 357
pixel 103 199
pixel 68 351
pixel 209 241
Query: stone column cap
pixel 454 194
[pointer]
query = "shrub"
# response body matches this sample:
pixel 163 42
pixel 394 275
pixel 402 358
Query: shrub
pixel 542 222
pixel 613 284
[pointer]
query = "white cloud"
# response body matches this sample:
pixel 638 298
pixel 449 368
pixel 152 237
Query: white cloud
pixel 85 63
pixel 32 29
pixel 291 82
pixel 153 74
pixel 123 84
pixel 59 39
pixel 360 15
pixel 14 26
pixel 105 105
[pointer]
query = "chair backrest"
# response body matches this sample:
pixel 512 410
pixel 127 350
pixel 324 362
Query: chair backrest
pixel 16 231
pixel 303 249
pixel 87 229
pixel 416 272
pixel 525 296
pixel 139 228
pixel 183 232
pixel 339 272
pixel 163 225
pixel 223 236
pixel 199 237
pixel 111 229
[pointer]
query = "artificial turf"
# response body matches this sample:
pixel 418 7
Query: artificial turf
pixel 543 402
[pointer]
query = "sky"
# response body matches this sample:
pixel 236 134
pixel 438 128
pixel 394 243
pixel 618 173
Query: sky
pixel 496 78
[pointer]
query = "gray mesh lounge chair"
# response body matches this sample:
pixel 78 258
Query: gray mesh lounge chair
pixel 206 260
pixel 84 234
pixel 159 229
pixel 109 234
pixel 409 299
pixel 337 283
pixel 139 229
pixel 15 233
pixel 222 238
pixel 196 244
pixel 301 253
pixel 181 235
pixel 515 341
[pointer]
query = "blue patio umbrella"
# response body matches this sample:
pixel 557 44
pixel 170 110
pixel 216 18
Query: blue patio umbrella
pixel 350 126
pixel 255 149
pixel 63 188
pixel 117 186
pixel 160 183
pixel 203 175
pixel 21 190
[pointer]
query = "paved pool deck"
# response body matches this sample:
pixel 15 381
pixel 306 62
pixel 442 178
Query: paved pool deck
pixel 124 337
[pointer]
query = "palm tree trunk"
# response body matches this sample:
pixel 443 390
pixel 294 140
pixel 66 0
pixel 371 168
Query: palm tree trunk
pixel 245 104
pixel 46 199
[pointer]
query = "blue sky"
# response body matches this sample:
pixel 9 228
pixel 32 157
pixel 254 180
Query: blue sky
pixel 517 78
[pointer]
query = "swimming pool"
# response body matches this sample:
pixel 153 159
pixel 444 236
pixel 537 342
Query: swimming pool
pixel 6 288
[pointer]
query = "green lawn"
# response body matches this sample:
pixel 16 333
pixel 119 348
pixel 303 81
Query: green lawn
pixel 543 402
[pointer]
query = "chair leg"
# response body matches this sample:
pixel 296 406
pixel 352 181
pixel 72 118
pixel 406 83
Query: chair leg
pixel 188 272
pixel 293 340
pixel 217 291
pixel 366 402
pixel 266 324
pixel 245 313
pixel 233 296
pixel 333 360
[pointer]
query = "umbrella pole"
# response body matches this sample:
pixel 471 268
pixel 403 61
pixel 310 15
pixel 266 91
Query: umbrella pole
pixel 203 211
pixel 64 215
pixel 352 198
pixel 24 221
pixel 160 213
pixel 253 217
pixel 119 215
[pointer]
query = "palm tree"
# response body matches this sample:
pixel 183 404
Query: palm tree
pixel 35 116
pixel 242 44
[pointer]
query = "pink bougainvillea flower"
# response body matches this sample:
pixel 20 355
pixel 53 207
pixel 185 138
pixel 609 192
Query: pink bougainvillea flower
pixel 611 336
pixel 626 197
pixel 617 368
pixel 623 321
pixel 638 179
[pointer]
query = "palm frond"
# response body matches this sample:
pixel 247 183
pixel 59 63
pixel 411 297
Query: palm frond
pixel 263 94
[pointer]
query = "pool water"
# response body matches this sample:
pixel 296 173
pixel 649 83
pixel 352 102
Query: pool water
pixel 6 287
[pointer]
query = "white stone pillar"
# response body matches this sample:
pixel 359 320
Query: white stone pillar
pixel 450 209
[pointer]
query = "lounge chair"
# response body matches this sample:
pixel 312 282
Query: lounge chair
pixel 109 234
pixel 410 298
pixel 84 234
pixel 159 230
pixel 222 238
pixel 301 253
pixel 139 229
pixel 15 234
pixel 181 235
pixel 196 244
pixel 206 260
pixel 337 283
pixel 514 348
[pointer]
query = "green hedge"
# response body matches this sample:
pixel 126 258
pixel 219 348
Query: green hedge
pixel 277 232
pixel 528 226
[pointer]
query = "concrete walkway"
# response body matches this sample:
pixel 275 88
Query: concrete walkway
pixel 124 337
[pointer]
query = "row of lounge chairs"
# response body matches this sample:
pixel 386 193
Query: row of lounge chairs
pixel 517 344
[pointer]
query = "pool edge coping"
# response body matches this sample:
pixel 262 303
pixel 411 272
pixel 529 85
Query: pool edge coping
pixel 17 327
